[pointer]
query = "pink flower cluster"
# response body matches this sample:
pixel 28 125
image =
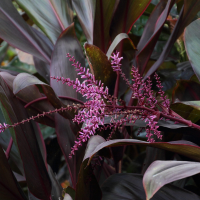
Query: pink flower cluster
pixel 100 105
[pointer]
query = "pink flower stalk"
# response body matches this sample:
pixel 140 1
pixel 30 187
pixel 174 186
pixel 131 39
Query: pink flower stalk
pixel 100 105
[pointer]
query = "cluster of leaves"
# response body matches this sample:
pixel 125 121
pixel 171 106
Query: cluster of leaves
pixel 161 36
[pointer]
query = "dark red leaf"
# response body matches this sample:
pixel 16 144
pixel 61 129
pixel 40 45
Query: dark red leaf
pixel 151 33
pixel 17 33
pixel 186 16
pixel 61 67
pixel 87 187
pixel 126 14
pixel 129 187
pixel 34 167
pixel 9 188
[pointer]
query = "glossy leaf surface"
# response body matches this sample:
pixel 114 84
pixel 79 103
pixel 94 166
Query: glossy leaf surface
pixel 160 173
pixel 96 143
pixel 28 146
pixel 51 16
pixel 100 66
pixel 129 187
pixel 85 10
pixel 61 67
pixel 17 33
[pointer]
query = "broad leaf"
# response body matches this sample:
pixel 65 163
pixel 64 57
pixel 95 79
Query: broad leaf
pixel 129 187
pixel 34 167
pixel 85 10
pixel 186 16
pixel 17 33
pixel 9 188
pixel 100 66
pixel 51 16
pixel 96 143
pixel 151 33
pixel 62 67
pixel 160 173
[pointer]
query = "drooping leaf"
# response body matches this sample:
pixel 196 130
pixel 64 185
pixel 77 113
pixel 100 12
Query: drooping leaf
pixel 9 188
pixel 87 186
pixel 96 143
pixel 119 38
pixel 161 173
pixel 51 16
pixel 192 40
pixel 23 81
pixel 100 66
pixel 186 16
pixel 85 10
pixel 129 187
pixel 34 167
pixel 126 14
pixel 103 17
pixel 17 33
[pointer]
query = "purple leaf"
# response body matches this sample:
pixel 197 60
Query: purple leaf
pixel 100 66
pixel 85 10
pixel 22 84
pixel 96 143
pixel 151 33
pixel 103 17
pixel 51 16
pixel 34 167
pixel 129 187
pixel 42 68
pixel 61 66
pixel 17 33
pixel 87 187
pixel 9 188
pixel 126 15
pixel 186 16
pixel 160 173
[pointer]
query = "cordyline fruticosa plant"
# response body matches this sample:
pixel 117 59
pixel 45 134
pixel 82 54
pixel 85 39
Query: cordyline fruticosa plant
pixel 121 135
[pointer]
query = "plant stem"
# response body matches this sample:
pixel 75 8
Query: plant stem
pixel 44 98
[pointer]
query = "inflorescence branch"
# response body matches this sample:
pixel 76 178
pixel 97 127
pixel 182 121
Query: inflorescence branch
pixel 100 106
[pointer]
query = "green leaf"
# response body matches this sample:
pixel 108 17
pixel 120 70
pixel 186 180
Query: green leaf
pixel 100 66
